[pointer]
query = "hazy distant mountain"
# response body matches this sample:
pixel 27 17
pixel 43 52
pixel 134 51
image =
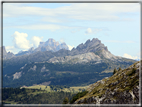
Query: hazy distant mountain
pixel 31 50
pixel 49 45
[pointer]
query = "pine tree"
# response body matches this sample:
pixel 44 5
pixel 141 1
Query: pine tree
pixel 114 71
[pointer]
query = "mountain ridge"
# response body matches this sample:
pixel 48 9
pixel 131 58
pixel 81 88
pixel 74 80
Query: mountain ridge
pixel 94 46
pixel 63 67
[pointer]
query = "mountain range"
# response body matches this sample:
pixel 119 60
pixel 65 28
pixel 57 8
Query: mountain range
pixel 53 63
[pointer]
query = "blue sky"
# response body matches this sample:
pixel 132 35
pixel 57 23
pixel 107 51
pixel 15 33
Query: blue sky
pixel 117 25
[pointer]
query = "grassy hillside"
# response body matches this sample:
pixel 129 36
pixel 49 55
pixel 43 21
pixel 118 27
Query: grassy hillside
pixel 58 88
pixel 121 88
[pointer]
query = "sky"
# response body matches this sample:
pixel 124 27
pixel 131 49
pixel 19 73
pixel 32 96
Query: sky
pixel 117 25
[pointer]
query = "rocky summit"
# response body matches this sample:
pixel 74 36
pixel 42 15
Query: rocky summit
pixel 121 88
pixel 49 45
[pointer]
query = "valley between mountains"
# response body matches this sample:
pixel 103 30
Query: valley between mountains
pixel 52 63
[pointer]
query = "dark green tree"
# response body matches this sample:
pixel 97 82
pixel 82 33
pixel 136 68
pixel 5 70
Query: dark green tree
pixel 66 100
pixel 114 71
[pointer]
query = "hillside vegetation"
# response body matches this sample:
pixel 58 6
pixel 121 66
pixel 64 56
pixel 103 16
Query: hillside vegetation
pixel 39 94
pixel 33 96
pixel 121 88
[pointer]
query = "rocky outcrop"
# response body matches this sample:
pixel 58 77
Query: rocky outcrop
pixel 6 55
pixel 82 58
pixel 121 88
pixel 17 75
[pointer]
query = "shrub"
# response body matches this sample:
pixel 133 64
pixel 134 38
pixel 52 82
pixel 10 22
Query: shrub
pixel 131 72
pixel 77 96
pixel 66 100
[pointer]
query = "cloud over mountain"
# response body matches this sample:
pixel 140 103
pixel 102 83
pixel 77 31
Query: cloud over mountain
pixel 129 56
pixel 36 41
pixel 21 41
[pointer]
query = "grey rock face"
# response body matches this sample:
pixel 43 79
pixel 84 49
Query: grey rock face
pixel 77 58
pixel 91 46
pixel 92 50
pixel 62 46
pixel 6 55
pixel 17 75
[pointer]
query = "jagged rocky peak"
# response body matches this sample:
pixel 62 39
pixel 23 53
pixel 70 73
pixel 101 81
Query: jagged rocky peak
pixel 51 42
pixel 4 50
pixel 51 45
pixel 92 45
pixel 93 41
pixel 6 55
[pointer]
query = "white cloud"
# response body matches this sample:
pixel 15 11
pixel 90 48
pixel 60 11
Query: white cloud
pixel 129 56
pixel 88 31
pixel 36 41
pixel 62 40
pixel 70 47
pixel 50 19
pixel 96 30
pixel 116 41
pixel 81 11
pixel 128 42
pixel 76 30
pixel 20 40
pixel 9 48
pixel 51 27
